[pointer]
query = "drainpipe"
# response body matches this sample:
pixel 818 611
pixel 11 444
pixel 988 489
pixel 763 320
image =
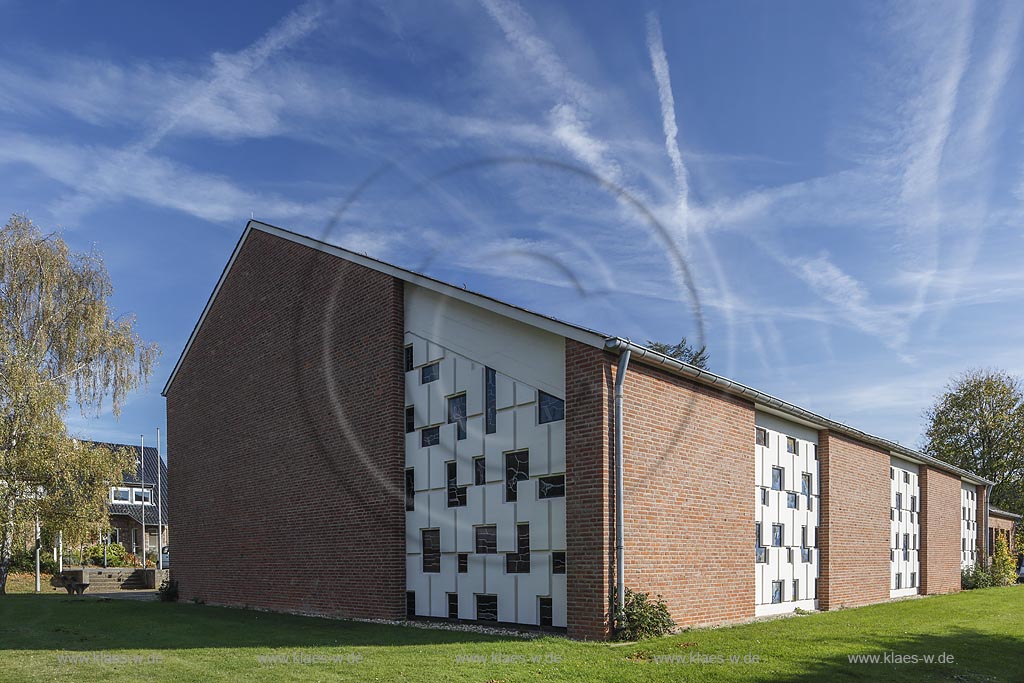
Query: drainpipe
pixel 988 503
pixel 620 553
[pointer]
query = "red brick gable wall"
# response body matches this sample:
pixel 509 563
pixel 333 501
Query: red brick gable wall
pixel 689 496
pixel 854 526
pixel 1002 526
pixel 940 531
pixel 980 541
pixel 589 490
pixel 286 439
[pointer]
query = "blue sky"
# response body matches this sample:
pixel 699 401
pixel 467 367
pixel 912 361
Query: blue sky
pixel 841 184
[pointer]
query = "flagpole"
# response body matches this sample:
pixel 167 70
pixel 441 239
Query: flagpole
pixel 142 470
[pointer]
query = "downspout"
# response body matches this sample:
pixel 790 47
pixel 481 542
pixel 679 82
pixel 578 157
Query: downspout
pixel 620 544
pixel 985 543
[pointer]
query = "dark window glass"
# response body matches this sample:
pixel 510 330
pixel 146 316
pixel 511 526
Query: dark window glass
pixel 410 490
pixel 408 358
pixel 913 579
pixel 760 436
pixel 796 589
pixel 913 503
pixel 899 580
pixel 410 419
pixel 777 478
pixel 479 471
pixel 810 503
pixel 430 373
pixel 764 496
pixel 805 484
pixel 906 477
pixel 487 607
pixel 790 444
pixel 456 494
pixel 777 535
pixel 892 473
pixel 551 408
pixel 487 540
pixel 760 552
pixel 792 501
pixel 776 591
pixel 410 603
pixel 431 551
pixel 544 612
pixel 430 436
pixel 453 605
pixel 789 555
pixel 899 501
pixel 806 554
pixel 551 487
pixel 463 563
pixel 457 415
pixel 490 401
pixel 517 469
pixel 558 562
pixel 519 561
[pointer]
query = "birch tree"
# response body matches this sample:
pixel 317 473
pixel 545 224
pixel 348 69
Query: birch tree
pixel 61 347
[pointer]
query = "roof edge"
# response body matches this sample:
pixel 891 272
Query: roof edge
pixel 526 316
pixel 765 400
pixel 1003 513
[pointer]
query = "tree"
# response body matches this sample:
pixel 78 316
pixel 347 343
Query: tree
pixel 978 425
pixel 698 358
pixel 1004 568
pixel 60 343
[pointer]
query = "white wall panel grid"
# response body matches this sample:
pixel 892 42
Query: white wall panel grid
pixel 905 528
pixel 516 428
pixel 795 562
pixel 968 525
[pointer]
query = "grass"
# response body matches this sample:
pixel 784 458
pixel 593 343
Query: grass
pixel 982 630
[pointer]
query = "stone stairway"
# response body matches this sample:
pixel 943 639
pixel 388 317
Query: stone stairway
pixel 114 579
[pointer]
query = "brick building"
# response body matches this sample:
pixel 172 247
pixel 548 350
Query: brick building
pixel 355 439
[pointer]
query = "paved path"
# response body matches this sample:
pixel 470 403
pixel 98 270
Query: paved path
pixel 141 594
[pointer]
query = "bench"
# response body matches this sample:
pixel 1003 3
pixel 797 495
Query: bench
pixel 72 586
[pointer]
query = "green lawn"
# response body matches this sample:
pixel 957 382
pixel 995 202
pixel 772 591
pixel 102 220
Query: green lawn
pixel 982 630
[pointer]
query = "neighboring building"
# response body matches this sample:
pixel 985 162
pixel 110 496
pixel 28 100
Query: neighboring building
pixel 1002 524
pixel 136 499
pixel 355 439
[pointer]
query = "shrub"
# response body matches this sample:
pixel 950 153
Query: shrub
pixel 115 555
pixel 168 591
pixel 641 617
pixel 1004 570
pixel 975 577
pixel 24 560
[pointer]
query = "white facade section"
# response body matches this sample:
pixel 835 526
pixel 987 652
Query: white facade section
pixel 464 342
pixel 787 503
pixel 905 523
pixel 968 525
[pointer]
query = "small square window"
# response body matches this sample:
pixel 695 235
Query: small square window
pixel 430 373
pixel 558 562
pixel 453 605
pixel 760 436
pixel 790 444
pixel 487 607
pixel 431 551
pixel 463 563
pixel 410 419
pixel 777 535
pixel 792 501
pixel 457 415
pixel 544 612
pixel 479 471
pixel 549 408
pixel 778 477
pixel 430 436
pixel 408 358
pixel 551 487
pixel 487 540
pixel 776 592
